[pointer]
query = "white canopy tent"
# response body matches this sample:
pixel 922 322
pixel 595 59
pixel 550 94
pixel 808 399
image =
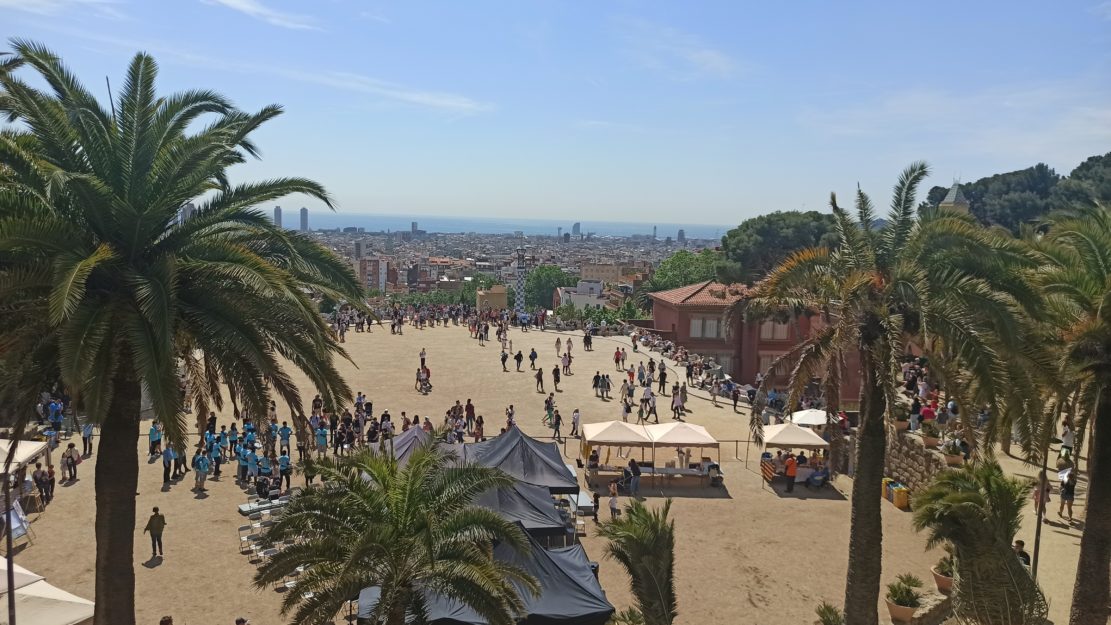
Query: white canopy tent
pixel 810 416
pixel 791 436
pixel 680 434
pixel 621 434
pixel 40 603
pixel 616 433
pixel 26 452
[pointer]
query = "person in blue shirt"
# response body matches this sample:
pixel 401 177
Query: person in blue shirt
pixel 222 441
pixel 283 435
pixel 215 458
pixel 51 437
pixel 87 439
pixel 154 436
pixel 264 465
pixel 322 442
pixel 200 471
pixel 167 463
pixel 241 455
pixel 248 426
pixel 285 468
pixel 252 464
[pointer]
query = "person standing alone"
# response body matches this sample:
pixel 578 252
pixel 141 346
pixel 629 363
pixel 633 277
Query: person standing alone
pixel 790 469
pixel 156 524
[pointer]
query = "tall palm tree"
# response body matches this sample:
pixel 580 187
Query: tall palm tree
pixel 978 510
pixel 103 286
pixel 939 279
pixel 407 530
pixel 1075 272
pixel 643 541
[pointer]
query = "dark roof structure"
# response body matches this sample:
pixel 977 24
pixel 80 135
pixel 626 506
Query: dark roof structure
pixel 529 505
pixel 569 592
pixel 526 459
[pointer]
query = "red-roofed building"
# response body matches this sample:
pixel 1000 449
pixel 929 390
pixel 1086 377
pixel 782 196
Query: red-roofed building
pixel 693 316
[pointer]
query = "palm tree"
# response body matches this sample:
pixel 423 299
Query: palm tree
pixel 105 287
pixel 407 530
pixel 1075 272
pixel 939 279
pixel 643 541
pixel 978 510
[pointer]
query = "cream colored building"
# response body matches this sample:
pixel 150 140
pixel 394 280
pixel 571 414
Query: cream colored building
pixel 606 273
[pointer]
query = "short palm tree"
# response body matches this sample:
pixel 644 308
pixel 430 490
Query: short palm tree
pixel 1075 272
pixel 407 530
pixel 643 541
pixel 977 510
pixel 105 287
pixel 939 280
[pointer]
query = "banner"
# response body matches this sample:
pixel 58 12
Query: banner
pixel 18 519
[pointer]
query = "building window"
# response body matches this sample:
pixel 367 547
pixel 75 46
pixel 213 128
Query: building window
pixel 768 359
pixel 773 331
pixel 710 327
pixel 696 327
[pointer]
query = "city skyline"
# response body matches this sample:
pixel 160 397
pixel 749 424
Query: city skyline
pixel 637 113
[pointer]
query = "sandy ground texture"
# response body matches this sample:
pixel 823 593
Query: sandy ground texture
pixel 745 553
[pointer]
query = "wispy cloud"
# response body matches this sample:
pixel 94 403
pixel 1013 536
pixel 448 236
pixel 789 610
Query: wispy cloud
pixel 369 15
pixel 1103 9
pixel 345 81
pixel 259 11
pixel 102 8
pixel 1059 123
pixel 678 54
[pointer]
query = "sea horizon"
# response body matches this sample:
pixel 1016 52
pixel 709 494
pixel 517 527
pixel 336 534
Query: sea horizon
pixel 499 225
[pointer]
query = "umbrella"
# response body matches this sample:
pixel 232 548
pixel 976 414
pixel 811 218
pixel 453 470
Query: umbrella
pixel 812 416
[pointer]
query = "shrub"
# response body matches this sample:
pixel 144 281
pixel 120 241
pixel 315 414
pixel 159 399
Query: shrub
pixel 946 566
pixel 930 429
pixel 904 591
pixel 829 614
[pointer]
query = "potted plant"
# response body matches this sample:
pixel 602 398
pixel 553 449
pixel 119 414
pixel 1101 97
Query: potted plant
pixel 943 574
pixel 829 615
pixel 903 597
pixel 954 455
pixel 902 420
pixel 931 434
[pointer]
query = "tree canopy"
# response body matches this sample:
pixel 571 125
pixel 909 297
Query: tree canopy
pixel 684 267
pixel 542 283
pixel 753 248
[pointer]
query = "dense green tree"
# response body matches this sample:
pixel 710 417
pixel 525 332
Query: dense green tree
pixel 977 510
pixel 642 540
pixel 753 248
pixel 102 285
pixel 542 282
pixel 1008 200
pixel 916 278
pixel 403 529
pixel 1091 180
pixel 1074 270
pixel 682 268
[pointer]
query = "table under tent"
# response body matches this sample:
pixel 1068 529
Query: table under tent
pixel 790 436
pixel 652 438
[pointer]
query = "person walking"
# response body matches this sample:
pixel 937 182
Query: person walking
pixel 200 465
pixel 87 439
pixel 557 421
pixel 532 356
pixel 676 406
pixel 555 378
pixel 519 358
pixel 156 524
pixel 613 500
pixel 559 346
pixel 790 469
pixel 504 360
pixel 70 459
pixel 423 356
pixel 575 418
pixel 167 463
pixel 539 380
pixel 1068 493
pixel 634 481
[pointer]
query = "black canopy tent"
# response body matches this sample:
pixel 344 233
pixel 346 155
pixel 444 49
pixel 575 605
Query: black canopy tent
pixel 529 505
pixel 569 593
pixel 526 459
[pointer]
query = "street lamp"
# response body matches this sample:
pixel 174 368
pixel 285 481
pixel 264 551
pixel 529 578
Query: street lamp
pixel 519 301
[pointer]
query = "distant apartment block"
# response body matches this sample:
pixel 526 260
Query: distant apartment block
pixel 304 219
pixel 278 216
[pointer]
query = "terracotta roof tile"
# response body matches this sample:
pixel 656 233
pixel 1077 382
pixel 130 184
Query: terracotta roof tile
pixel 708 293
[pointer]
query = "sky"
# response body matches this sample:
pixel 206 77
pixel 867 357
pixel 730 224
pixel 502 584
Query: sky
pixel 706 112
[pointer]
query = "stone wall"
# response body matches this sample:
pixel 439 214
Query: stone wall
pixel 910 462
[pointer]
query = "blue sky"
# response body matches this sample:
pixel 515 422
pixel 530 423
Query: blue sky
pixel 688 112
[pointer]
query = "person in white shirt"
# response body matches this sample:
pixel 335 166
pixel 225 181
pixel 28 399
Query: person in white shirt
pixel 1067 439
pixel 575 423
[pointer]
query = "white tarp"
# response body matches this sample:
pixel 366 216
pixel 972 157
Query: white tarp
pixel 616 433
pixel 25 452
pixel 789 435
pixel 810 416
pixel 40 603
pixel 23 577
pixel 680 434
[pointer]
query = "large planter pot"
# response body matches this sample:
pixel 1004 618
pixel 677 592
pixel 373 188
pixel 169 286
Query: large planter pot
pixel 901 425
pixel 900 613
pixel 954 461
pixel 944 584
pixel 930 441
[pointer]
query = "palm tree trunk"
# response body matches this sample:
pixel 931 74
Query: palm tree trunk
pixel 862 584
pixel 1091 595
pixel 117 476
